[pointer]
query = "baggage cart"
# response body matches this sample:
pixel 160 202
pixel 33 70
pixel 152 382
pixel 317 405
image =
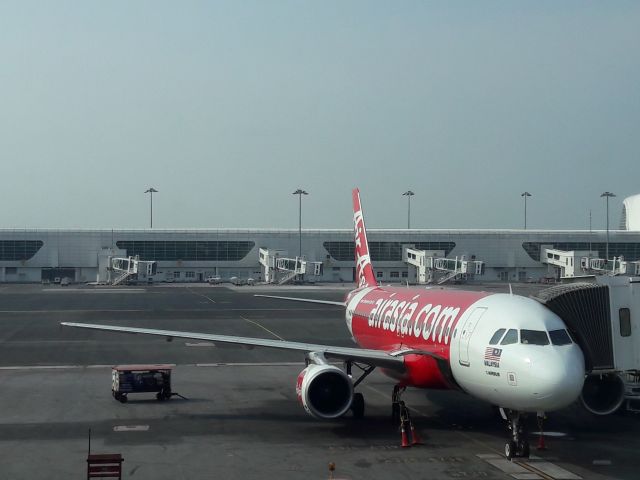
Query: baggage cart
pixel 126 379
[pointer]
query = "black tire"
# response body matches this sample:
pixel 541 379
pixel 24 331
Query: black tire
pixel 395 413
pixel 123 398
pixel 510 450
pixel 357 405
pixel 525 449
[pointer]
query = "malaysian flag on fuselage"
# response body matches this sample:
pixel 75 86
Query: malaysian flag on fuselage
pixel 492 354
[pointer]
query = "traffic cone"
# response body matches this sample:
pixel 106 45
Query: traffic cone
pixel 541 445
pixel 415 438
pixel 405 440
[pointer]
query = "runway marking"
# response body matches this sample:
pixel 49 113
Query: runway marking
pixel 131 428
pixel 41 367
pixel 219 364
pixel 262 327
pixel 547 468
pixel 504 465
pixel 550 434
pixel 201 295
pixel 170 310
pixel 250 364
pixel 77 311
pixel 200 344
pixel 87 290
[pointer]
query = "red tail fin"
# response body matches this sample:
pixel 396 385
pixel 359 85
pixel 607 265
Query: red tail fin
pixel 364 270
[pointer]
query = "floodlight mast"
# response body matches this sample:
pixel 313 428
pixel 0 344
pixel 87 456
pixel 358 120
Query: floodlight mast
pixel 408 194
pixel 151 191
pixel 300 192
pixel 607 195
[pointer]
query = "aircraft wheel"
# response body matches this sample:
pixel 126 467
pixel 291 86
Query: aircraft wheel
pixel 395 412
pixel 510 450
pixel 123 398
pixel 357 405
pixel 524 449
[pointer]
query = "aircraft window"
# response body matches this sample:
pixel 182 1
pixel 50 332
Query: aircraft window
pixel 559 337
pixel 497 336
pixel 534 337
pixel 510 337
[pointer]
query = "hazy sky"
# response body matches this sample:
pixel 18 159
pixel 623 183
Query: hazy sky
pixel 228 107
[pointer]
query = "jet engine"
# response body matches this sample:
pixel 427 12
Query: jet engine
pixel 324 391
pixel 602 394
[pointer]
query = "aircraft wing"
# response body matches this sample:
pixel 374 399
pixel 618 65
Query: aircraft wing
pixel 305 300
pixel 378 358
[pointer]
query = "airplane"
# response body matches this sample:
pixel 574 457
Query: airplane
pixel 504 349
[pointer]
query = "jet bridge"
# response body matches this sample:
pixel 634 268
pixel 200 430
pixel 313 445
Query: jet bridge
pixel 570 264
pixel 127 268
pixel 280 269
pixel 603 316
pixel 432 266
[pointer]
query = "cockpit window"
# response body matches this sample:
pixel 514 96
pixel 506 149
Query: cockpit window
pixel 510 337
pixel 497 336
pixel 534 337
pixel 559 337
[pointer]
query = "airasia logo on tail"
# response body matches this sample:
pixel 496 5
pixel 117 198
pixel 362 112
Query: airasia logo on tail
pixel 362 249
pixel 364 270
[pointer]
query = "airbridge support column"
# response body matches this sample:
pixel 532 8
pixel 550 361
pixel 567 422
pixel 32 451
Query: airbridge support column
pixel 423 261
pixel 268 259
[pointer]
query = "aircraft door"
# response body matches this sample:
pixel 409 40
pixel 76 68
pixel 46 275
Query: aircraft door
pixel 465 336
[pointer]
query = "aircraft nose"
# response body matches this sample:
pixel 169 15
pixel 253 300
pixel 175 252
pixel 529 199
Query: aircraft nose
pixel 560 378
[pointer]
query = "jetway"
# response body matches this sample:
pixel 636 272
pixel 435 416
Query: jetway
pixel 569 264
pixel 280 269
pixel 602 313
pixel 432 266
pixel 126 268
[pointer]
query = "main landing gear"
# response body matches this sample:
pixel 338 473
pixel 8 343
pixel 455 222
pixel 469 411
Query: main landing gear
pixel 357 404
pixel 518 445
pixel 395 402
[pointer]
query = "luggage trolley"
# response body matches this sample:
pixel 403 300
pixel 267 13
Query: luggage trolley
pixel 126 379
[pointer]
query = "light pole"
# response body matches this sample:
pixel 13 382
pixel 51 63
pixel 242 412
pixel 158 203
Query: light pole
pixel 525 195
pixel 300 192
pixel 408 194
pixel 151 191
pixel 607 195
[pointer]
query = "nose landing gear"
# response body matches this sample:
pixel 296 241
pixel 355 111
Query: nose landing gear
pixel 518 445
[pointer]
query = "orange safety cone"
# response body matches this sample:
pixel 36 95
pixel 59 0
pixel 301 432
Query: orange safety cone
pixel 405 440
pixel 541 444
pixel 415 438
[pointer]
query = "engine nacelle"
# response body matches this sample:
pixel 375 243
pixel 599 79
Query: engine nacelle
pixel 324 391
pixel 602 394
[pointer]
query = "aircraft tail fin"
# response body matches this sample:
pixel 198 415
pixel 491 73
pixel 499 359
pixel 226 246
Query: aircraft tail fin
pixel 364 271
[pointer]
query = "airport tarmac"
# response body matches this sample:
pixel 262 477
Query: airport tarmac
pixel 241 418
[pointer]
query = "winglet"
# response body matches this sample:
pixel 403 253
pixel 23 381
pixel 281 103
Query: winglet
pixel 364 271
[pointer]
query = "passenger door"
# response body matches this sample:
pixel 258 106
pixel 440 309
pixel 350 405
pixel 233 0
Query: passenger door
pixel 465 335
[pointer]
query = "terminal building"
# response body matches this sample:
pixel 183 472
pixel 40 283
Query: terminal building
pixel 194 255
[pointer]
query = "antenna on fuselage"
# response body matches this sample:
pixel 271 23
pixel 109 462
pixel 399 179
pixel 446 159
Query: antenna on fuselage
pixel 510 290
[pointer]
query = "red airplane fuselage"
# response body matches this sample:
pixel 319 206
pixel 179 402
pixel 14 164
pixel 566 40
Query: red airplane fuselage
pixel 397 319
